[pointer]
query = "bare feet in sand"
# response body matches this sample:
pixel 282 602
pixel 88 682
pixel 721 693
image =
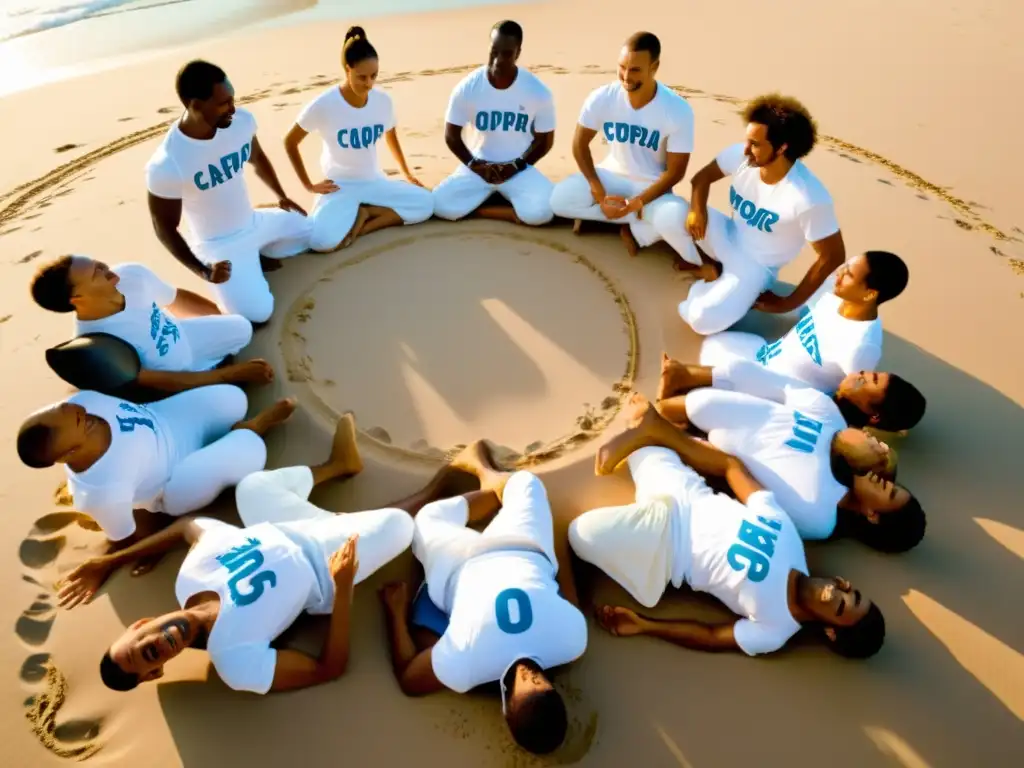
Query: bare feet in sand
pixel 267 419
pixel 626 235
pixel 675 378
pixel 643 425
pixel 258 372
pixel 345 456
pixel 476 460
pixel 361 218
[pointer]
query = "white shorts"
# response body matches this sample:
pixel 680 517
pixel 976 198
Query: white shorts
pixel 713 307
pixel 213 337
pixel 333 215
pixel 274 233
pixel 443 543
pixel 280 496
pixel 644 546
pixel 463 192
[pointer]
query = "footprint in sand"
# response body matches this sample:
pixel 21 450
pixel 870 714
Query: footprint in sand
pixel 75 739
pixel 34 628
pixel 56 521
pixel 38 553
pixel 34 668
pixel 66 148
pixel 5 318
pixel 166 110
pixel 124 119
pixel 884 181
pixel 26 259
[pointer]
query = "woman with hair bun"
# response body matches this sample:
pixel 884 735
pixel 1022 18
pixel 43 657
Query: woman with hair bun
pixel 355 198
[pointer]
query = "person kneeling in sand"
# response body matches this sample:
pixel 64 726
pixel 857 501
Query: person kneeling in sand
pixel 778 205
pixel 199 170
pixel 837 335
pixel 356 198
pixel 513 116
pixel 180 337
pixel 745 552
pixel 124 460
pixel 649 130
pixel 507 621
pixel 240 588
pixel 793 439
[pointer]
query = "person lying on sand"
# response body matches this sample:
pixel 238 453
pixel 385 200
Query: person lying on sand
pixel 829 478
pixel 649 131
pixel 240 588
pixel 745 552
pixel 356 198
pixel 124 461
pixel 876 399
pixel 513 114
pixel 180 337
pixel 507 621
pixel 836 336
pixel 778 205
pixel 199 170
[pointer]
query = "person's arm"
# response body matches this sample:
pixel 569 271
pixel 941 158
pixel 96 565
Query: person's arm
pixel 189 304
pixel 266 173
pixel 81 584
pixel 295 669
pixel 741 482
pixel 695 635
pixel 831 255
pixel 179 381
pixel 541 145
pixel 291 148
pixel 675 169
pixel 453 139
pixel 166 216
pixel 414 670
pixel 391 137
pixel 584 158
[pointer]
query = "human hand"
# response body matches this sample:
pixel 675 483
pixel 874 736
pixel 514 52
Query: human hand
pixel 697 223
pixel 219 272
pixel 395 597
pixel 82 583
pixel 324 187
pixel 619 621
pixel 614 206
pixel 287 204
pixel 770 302
pixel 344 563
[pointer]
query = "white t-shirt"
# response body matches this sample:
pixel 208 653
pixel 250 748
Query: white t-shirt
pixel 143 323
pixel 639 139
pixel 264 581
pixel 131 474
pixel 772 221
pixel 743 555
pixel 501 122
pixel 823 347
pixel 207 176
pixel 787 447
pixel 505 607
pixel 350 134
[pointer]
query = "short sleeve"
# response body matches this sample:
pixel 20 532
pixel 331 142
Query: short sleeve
pixel 681 139
pixel 754 637
pixel 208 524
pixel 309 118
pixel 545 120
pixel 457 114
pixel 590 112
pixel 246 667
pixel 730 159
pixel 863 357
pixel 818 222
pixel 162 177
pixel 111 507
pixel 151 285
pixel 389 113
pixel 450 666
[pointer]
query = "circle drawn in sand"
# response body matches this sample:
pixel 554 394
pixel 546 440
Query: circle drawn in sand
pixel 453 335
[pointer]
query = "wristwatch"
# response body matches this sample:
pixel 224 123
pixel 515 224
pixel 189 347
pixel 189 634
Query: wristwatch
pixel 520 164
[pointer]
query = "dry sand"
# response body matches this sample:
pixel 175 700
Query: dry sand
pixel 529 340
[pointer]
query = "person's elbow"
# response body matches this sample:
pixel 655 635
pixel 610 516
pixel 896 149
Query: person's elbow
pixel 832 252
pixel 453 137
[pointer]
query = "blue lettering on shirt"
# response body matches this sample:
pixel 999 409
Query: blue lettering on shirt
pixel 761 218
pixel 755 546
pixel 225 170
pixel 243 562
pixel 362 137
pixel 626 133
pixel 496 120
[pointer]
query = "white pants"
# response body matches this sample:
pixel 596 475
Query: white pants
pixel 214 337
pixel 463 192
pixel 720 348
pixel 713 307
pixel 663 219
pixel 274 233
pixel 333 215
pixel 644 546
pixel 207 456
pixel 280 496
pixel 443 543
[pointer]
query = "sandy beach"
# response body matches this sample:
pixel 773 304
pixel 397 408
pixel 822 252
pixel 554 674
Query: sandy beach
pixel 531 339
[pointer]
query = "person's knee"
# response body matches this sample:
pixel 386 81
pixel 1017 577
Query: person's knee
pixel 326 237
pixel 670 217
pixel 569 196
pixel 535 212
pixel 256 307
pixel 232 403
pixel 703 320
pixel 445 205
pixel 243 330
pixel 250 492
pixel 398 527
pixel 419 208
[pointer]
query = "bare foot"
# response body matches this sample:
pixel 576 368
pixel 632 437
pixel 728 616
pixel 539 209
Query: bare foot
pixel 709 272
pixel 257 372
pixel 497 213
pixel 267 419
pixel 270 265
pixel 344 451
pixel 577 226
pixel 361 218
pixel 476 460
pixel 626 235
pixel 675 378
pixel 643 425
pixel 679 264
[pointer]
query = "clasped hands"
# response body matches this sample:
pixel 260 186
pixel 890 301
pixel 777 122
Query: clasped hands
pixel 616 206
pixel 493 173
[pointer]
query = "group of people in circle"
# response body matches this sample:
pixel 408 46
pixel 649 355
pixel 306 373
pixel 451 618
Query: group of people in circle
pixel 739 458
